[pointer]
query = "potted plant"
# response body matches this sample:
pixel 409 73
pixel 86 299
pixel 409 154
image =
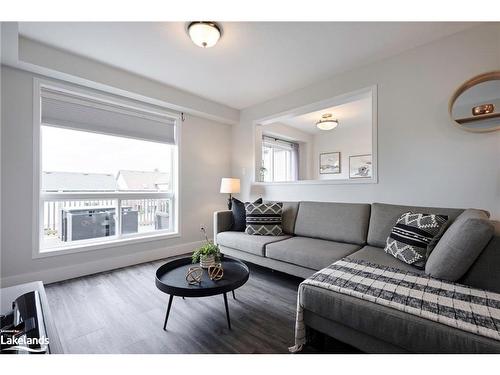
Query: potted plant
pixel 263 171
pixel 208 254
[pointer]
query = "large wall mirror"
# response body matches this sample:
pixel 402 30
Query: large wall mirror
pixel 333 141
pixel 475 105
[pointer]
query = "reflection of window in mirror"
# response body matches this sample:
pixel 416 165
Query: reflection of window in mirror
pixel 279 160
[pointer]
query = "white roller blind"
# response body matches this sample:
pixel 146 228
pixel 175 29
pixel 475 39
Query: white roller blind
pixel 74 111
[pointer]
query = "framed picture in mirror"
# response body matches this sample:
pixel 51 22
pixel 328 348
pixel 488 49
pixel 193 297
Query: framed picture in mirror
pixel 360 166
pixel 329 163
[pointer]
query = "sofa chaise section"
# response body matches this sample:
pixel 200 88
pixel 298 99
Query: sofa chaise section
pixel 375 328
pixel 377 255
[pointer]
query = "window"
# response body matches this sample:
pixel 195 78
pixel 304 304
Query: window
pixel 108 171
pixel 279 160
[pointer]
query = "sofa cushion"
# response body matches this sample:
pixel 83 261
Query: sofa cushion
pixel 342 222
pixel 264 219
pixel 384 216
pixel 414 236
pixel 411 332
pixel 245 242
pixel 460 246
pixel 377 255
pixel 309 252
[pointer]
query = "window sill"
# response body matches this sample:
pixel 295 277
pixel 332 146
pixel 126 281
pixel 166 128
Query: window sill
pixel 78 248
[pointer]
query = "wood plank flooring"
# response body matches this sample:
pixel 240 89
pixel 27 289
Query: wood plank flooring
pixel 122 311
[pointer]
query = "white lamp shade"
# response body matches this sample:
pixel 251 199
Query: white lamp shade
pixel 230 185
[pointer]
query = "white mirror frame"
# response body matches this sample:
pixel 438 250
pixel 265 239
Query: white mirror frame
pixel 317 106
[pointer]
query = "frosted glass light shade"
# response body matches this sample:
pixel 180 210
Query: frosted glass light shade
pixel 204 34
pixel 327 125
pixel 230 185
pixel 327 122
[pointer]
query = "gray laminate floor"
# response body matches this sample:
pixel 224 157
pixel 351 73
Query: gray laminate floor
pixel 122 311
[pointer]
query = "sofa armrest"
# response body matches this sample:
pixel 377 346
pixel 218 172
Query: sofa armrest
pixel 222 222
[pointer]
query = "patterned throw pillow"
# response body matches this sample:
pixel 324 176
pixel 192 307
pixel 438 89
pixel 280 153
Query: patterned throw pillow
pixel 414 236
pixel 264 218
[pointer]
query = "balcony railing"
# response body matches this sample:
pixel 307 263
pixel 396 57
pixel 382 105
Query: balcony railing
pixel 147 212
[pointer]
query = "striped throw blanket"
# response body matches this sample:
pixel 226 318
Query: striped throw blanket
pixel 472 310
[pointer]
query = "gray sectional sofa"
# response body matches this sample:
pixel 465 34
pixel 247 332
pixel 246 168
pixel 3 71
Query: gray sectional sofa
pixel 317 234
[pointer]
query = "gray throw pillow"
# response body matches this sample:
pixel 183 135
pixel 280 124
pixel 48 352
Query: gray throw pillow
pixel 460 246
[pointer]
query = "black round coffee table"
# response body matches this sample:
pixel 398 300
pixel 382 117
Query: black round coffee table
pixel 171 279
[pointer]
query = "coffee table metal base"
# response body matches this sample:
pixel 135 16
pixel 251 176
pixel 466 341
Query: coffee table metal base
pixel 169 306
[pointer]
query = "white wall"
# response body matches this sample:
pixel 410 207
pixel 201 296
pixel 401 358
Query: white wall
pixel 422 157
pixel 204 160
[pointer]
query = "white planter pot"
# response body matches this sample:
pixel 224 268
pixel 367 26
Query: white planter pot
pixel 207 261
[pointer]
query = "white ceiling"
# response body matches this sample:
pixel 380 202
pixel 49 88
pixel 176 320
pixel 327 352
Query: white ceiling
pixel 359 109
pixel 253 62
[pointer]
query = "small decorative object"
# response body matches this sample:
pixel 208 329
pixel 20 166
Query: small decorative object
pixel 360 166
pixel 483 109
pixel 329 163
pixel 230 186
pixel 215 272
pixel 327 122
pixel 193 275
pixel 262 172
pixel 208 255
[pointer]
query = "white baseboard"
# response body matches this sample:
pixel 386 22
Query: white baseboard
pixel 76 270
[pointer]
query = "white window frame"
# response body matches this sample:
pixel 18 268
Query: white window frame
pixel 119 239
pixel 274 146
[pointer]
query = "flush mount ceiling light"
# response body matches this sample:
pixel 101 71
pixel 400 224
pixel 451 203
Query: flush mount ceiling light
pixel 204 34
pixel 327 122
